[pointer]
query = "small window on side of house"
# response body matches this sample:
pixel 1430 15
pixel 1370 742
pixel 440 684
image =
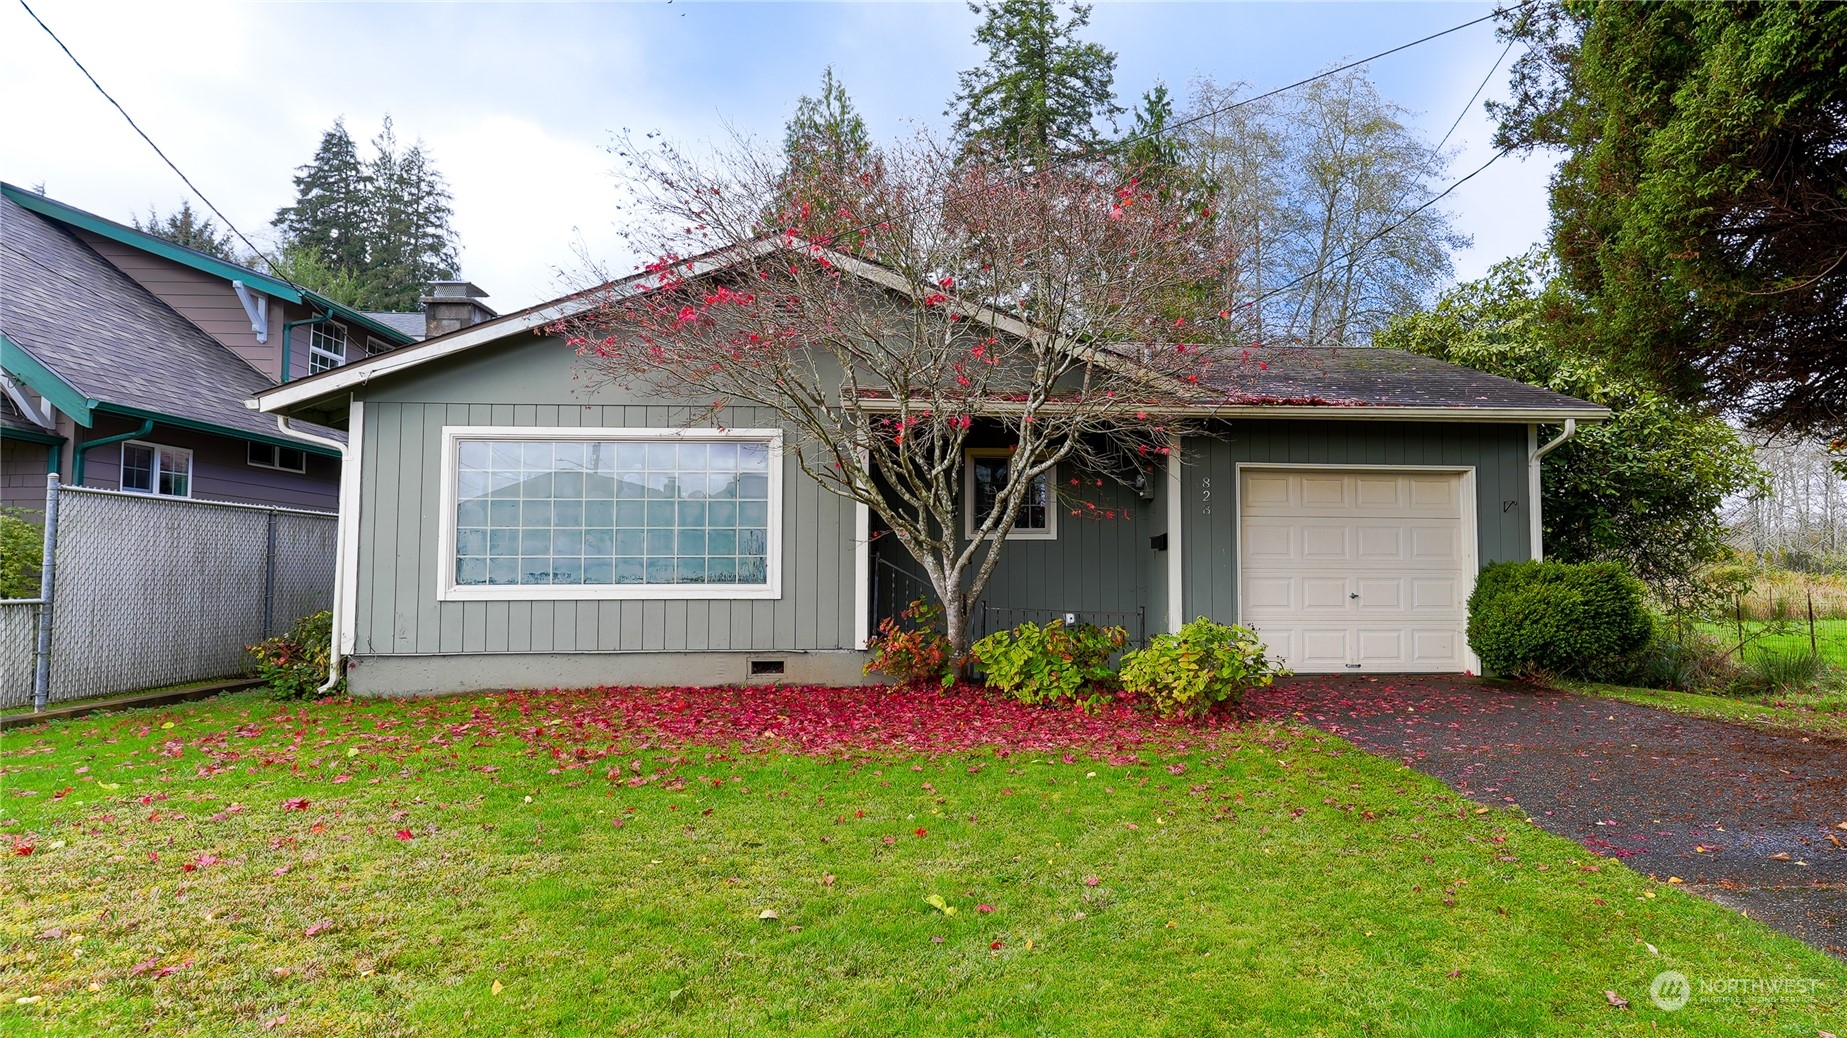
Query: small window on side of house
pixel 986 479
pixel 272 456
pixel 326 346
pixel 150 468
pixel 376 346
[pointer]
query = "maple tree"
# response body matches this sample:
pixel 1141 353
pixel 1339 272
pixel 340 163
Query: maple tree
pixel 895 311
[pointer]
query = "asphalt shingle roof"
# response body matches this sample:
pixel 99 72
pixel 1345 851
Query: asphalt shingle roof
pixel 1367 377
pixel 111 339
pixel 408 322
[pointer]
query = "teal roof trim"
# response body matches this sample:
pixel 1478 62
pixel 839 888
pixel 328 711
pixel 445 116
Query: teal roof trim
pixel 221 430
pixel 10 432
pixel 19 362
pixel 150 243
pixel 197 260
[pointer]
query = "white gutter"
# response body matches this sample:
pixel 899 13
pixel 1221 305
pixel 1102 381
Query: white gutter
pixel 1331 412
pixel 1533 486
pixel 346 553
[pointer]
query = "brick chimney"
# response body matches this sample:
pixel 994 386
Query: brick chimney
pixel 452 306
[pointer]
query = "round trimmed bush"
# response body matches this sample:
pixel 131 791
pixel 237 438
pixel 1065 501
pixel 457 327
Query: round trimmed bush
pixel 1529 618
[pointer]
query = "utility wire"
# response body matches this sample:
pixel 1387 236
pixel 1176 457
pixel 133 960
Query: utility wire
pixel 258 253
pixel 1472 97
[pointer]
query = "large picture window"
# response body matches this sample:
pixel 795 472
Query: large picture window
pixel 149 468
pixel 986 478
pixel 572 513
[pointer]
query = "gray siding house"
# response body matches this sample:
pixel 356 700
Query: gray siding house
pixel 1341 506
pixel 125 360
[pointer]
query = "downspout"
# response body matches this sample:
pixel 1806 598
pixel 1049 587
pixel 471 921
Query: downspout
pixel 83 449
pixel 288 326
pixel 1534 489
pixel 347 477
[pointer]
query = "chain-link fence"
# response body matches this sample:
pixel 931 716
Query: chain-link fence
pixel 1801 622
pixel 148 591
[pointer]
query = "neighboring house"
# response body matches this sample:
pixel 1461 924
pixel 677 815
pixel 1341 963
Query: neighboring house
pixel 125 360
pixel 506 525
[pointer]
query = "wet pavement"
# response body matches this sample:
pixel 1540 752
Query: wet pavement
pixel 1747 818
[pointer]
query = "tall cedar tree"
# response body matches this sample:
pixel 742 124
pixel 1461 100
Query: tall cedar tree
pixel 1702 204
pixel 185 226
pixel 369 234
pixel 1041 92
pixel 829 161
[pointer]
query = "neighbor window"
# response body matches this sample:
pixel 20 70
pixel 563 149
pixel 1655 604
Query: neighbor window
pixel 987 478
pixel 149 468
pixel 561 513
pixel 376 346
pixel 326 346
pixel 271 456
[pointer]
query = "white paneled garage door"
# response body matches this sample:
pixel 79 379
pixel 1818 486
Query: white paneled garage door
pixel 1357 570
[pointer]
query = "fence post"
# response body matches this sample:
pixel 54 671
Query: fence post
pixel 1738 612
pixel 48 575
pixel 269 573
pixel 1813 649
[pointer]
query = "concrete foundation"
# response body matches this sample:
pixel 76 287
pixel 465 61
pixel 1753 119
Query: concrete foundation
pixel 411 675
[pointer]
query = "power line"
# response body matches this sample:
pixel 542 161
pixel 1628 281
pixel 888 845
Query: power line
pixel 1468 107
pixel 258 253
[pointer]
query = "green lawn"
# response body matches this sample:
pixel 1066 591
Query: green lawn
pixel 1816 712
pixel 510 866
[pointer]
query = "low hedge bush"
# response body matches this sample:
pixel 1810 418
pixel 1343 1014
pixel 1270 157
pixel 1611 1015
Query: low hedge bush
pixel 912 649
pixel 1205 663
pixel 1037 664
pixel 1552 618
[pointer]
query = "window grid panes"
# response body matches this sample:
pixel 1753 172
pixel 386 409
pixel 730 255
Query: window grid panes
pixel 152 469
pixel 988 476
pixel 612 512
pixel 326 346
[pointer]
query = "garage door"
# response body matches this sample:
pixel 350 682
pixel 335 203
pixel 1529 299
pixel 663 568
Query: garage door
pixel 1348 571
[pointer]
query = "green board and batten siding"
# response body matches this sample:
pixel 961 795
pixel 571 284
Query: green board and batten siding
pixel 1497 452
pixel 526 385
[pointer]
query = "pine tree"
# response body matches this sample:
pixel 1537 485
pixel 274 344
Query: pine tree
pixel 185 226
pixel 1041 91
pixel 333 200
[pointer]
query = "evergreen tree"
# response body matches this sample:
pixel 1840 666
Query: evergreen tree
pixel 828 156
pixel 333 201
pixel 1041 91
pixel 378 230
pixel 411 242
pixel 184 226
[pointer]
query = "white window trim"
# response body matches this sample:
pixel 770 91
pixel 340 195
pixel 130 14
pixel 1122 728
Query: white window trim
pixel 376 346
pixel 277 449
pixel 315 331
pixel 154 476
pixel 1050 533
pixel 447 590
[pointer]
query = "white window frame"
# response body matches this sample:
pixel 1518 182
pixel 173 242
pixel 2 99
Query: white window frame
pixel 275 452
pixel 447 590
pixel 376 346
pixel 317 352
pixel 969 525
pixel 154 473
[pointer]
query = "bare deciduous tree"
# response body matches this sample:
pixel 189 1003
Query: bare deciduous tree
pixel 949 298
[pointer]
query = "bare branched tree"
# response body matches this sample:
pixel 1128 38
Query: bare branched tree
pixel 890 309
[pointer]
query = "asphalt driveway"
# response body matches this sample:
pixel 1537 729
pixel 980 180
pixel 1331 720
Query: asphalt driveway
pixel 1744 817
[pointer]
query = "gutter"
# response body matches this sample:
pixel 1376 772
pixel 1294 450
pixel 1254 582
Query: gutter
pixel 83 449
pixel 346 526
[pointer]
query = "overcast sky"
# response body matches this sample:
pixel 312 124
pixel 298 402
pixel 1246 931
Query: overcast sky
pixel 518 102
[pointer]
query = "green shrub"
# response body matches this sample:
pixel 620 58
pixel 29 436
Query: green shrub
pixel 21 551
pixel 1042 664
pixel 1689 662
pixel 1205 663
pixel 1534 618
pixel 914 654
pixel 1768 671
pixel 295 664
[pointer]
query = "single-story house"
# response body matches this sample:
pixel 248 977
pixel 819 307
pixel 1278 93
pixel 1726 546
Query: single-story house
pixel 506 524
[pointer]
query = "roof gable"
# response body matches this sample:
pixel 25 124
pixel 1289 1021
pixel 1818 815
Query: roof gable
pixel 230 272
